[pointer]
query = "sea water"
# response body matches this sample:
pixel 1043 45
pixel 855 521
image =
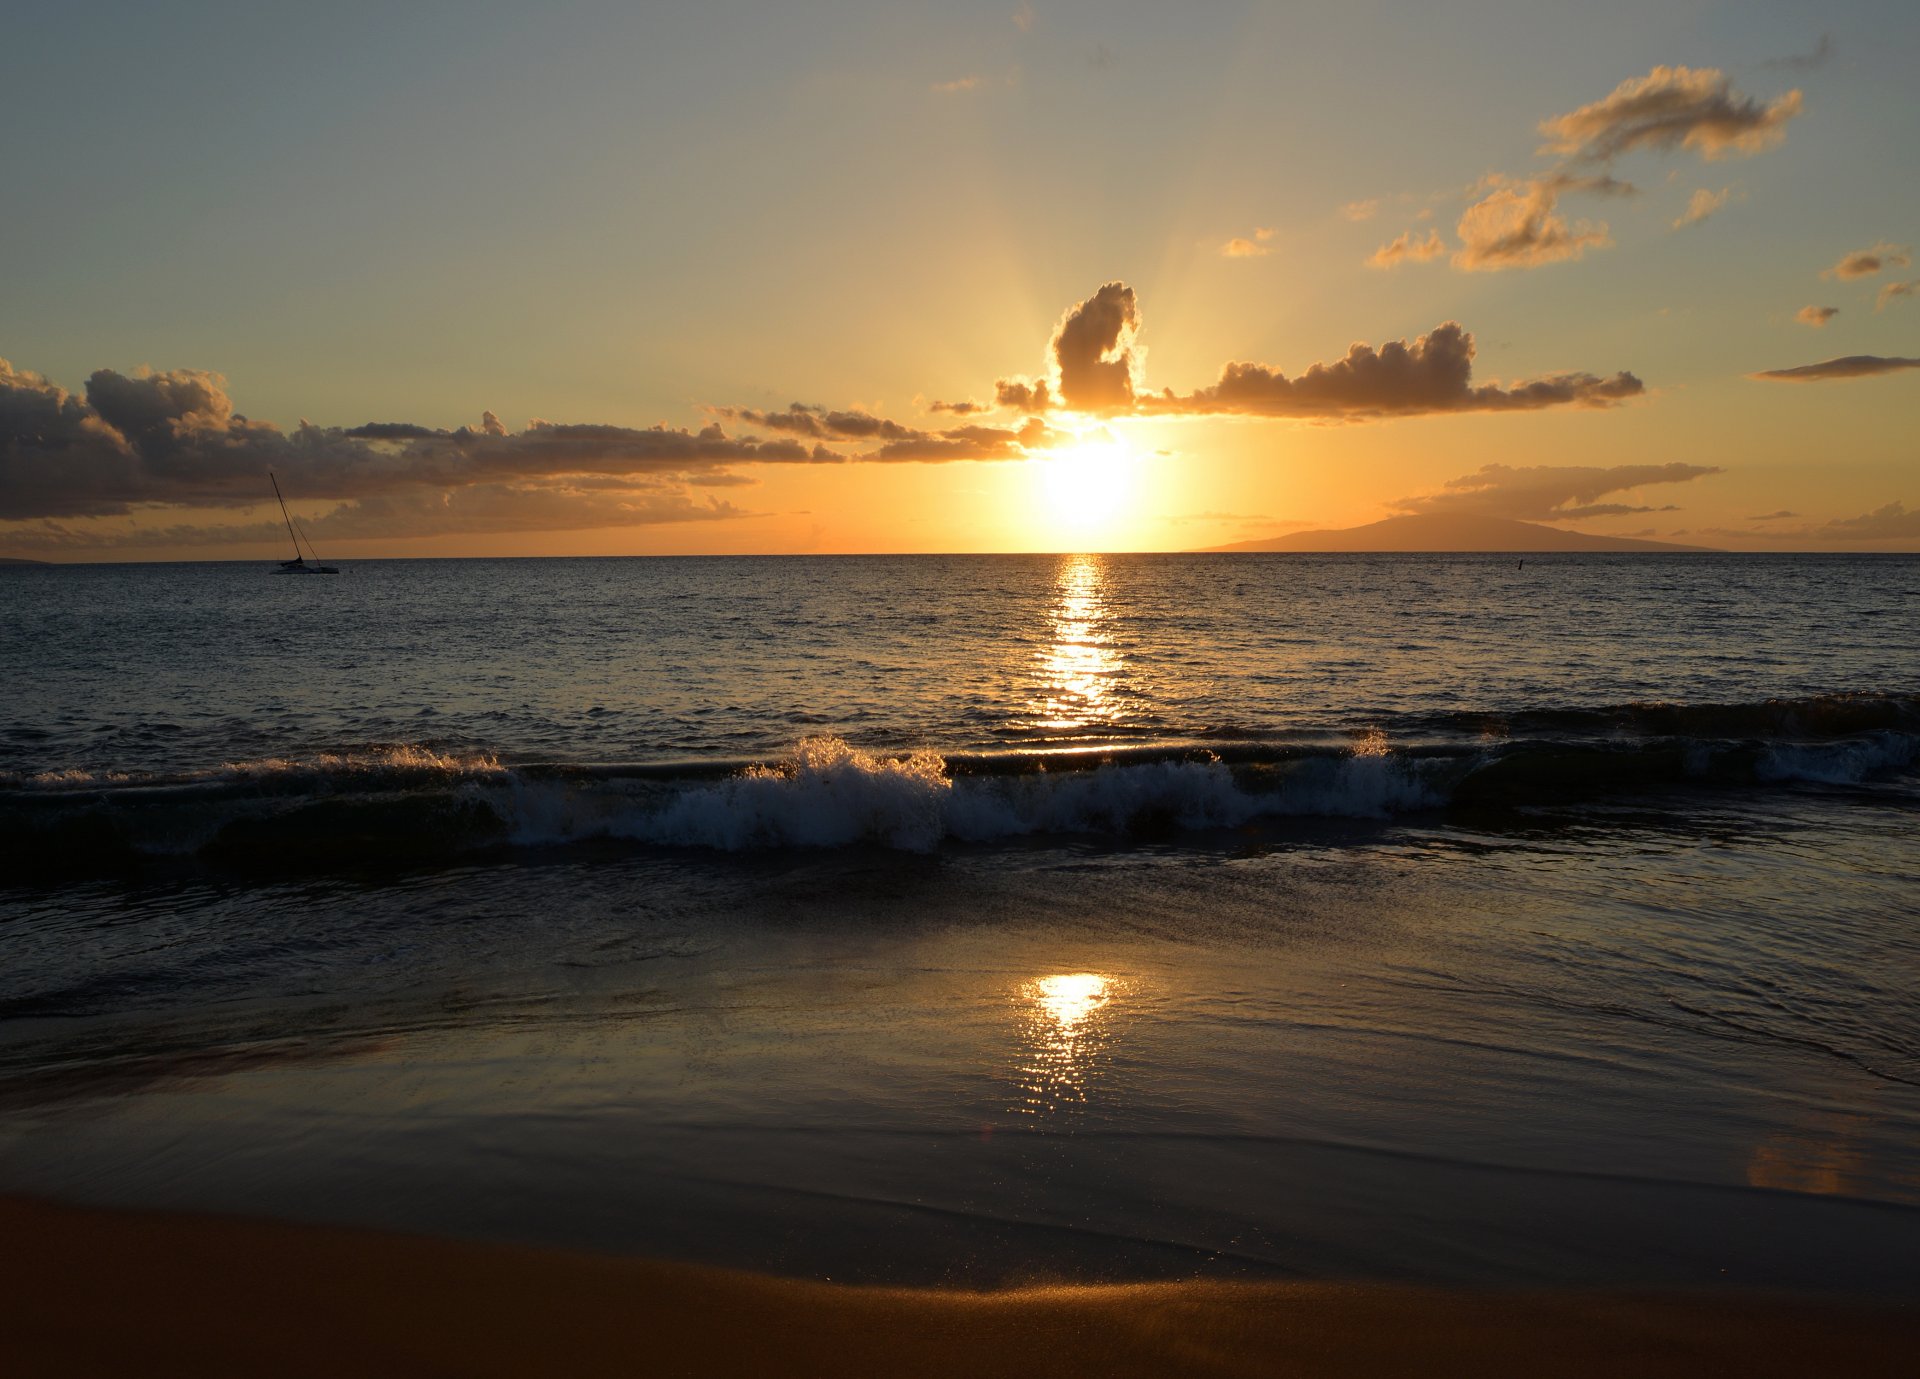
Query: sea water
pixel 977 919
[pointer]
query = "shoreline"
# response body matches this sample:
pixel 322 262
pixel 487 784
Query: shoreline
pixel 98 1291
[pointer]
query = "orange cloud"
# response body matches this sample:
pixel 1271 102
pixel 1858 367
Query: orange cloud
pixel 1516 227
pixel 1816 316
pixel 1700 205
pixel 1671 107
pixel 1864 263
pixel 1408 249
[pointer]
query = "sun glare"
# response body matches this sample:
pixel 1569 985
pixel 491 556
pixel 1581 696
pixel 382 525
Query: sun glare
pixel 1091 486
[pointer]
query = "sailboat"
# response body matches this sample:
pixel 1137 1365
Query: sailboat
pixel 298 565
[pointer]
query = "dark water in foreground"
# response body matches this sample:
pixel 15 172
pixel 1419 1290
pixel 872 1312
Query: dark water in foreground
pixel 976 920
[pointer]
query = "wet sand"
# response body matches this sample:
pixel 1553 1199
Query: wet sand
pixel 92 1292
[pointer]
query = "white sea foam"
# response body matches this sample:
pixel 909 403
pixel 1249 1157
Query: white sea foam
pixel 1839 763
pixel 827 793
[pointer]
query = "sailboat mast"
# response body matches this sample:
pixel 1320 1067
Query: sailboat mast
pixel 285 515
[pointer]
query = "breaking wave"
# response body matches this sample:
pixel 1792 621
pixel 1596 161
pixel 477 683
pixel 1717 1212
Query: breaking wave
pixel 403 803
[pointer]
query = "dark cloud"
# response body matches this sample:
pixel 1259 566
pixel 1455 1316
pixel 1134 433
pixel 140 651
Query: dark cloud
pixel 1433 374
pixel 1804 62
pixel 1848 366
pixel 822 424
pixel 1092 358
pixel 1091 349
pixel 970 443
pixel 1023 396
pixel 392 431
pixel 481 509
pixel 1672 107
pixel 174 439
pixel 1550 492
pixel 965 408
pixel 1773 516
pixel 1864 263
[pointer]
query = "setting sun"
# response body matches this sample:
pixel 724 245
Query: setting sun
pixel 1090 488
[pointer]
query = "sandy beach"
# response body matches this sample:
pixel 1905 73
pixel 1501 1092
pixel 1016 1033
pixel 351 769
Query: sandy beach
pixel 93 1292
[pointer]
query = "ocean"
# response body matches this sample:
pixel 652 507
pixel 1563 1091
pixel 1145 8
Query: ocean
pixel 984 920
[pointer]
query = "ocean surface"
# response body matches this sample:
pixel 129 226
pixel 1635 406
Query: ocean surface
pixel 984 919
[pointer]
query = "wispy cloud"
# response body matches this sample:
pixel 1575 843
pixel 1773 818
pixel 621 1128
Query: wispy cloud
pixel 1700 205
pixel 1804 62
pixel 1816 316
pixel 1849 366
pixel 1895 521
pixel 1672 107
pixel 959 85
pixel 1240 247
pixel 1516 226
pixel 1891 291
pixel 1864 263
pixel 1550 493
pixel 1361 210
pixel 1406 249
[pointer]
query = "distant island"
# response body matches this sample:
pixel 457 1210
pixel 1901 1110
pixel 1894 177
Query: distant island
pixel 1451 533
pixel 16 560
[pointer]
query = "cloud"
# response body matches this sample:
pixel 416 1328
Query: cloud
pixel 818 423
pixel 1892 290
pixel 1816 316
pixel 1864 263
pixel 1849 366
pixel 1431 375
pixel 969 443
pixel 1406 248
pixel 1550 493
pixel 1671 107
pixel 1804 62
pixel 1773 516
pixel 1092 356
pixel 1240 247
pixel 1096 365
pixel 1023 19
pixel 1515 227
pixel 958 85
pixel 1700 205
pixel 1361 210
pixel 174 440
pixel 1895 521
pixel 151 441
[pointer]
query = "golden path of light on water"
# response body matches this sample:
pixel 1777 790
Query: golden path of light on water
pixel 1080 670
pixel 1066 1028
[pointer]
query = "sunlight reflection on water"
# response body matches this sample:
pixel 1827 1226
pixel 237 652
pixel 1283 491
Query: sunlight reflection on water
pixel 1066 1034
pixel 1079 670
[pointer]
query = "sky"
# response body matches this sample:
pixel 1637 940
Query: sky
pixel 502 279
